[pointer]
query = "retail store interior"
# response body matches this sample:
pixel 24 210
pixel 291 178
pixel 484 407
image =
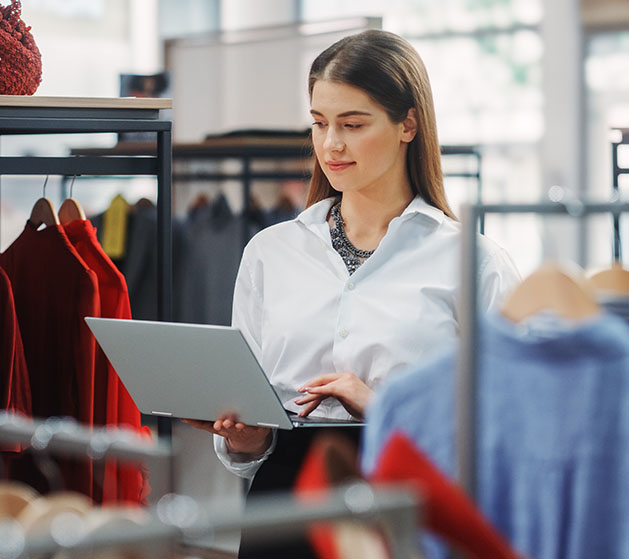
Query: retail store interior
pixel 181 129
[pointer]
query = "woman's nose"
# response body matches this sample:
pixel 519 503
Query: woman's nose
pixel 333 142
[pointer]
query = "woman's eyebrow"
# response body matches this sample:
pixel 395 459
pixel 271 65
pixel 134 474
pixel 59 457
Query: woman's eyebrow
pixel 344 114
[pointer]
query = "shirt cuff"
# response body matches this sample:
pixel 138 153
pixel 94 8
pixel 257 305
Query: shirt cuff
pixel 240 463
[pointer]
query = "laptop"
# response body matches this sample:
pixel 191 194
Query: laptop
pixel 195 371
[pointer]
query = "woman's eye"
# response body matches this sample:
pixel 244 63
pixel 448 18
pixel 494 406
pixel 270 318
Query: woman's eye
pixel 353 126
pixel 318 124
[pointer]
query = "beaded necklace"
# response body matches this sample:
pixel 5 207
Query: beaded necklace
pixel 352 256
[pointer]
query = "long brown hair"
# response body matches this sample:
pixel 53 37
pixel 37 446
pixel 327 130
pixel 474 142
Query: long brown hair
pixel 391 72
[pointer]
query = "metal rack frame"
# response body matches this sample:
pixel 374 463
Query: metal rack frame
pixel 467 374
pixel 32 116
pixel 68 437
pixel 179 517
pixel 176 518
pixel 617 171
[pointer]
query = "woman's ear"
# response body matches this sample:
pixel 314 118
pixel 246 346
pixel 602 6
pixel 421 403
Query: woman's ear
pixel 409 125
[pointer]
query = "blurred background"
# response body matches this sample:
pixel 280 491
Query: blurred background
pixel 537 87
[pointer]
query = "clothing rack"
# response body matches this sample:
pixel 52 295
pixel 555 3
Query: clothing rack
pixel 617 172
pixel 176 518
pixel 468 358
pixel 67 436
pixel 250 149
pixel 27 115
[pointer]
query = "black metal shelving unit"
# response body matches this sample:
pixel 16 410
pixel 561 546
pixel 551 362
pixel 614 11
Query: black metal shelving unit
pixel 21 115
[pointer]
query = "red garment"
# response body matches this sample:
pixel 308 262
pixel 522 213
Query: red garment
pixel 331 460
pixel 447 511
pixel 53 291
pixel 112 403
pixel 15 388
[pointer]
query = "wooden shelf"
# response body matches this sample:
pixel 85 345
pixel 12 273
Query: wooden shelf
pixel 85 102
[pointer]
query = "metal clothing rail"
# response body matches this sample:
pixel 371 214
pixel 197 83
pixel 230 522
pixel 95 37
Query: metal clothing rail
pixel 179 517
pixel 467 377
pixel 278 516
pixel 617 172
pixel 66 436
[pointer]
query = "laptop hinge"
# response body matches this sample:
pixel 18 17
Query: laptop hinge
pixel 262 424
pixel 161 413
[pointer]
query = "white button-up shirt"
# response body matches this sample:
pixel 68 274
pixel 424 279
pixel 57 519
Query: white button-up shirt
pixel 304 315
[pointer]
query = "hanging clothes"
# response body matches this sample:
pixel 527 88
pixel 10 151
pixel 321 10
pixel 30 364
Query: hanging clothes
pixel 553 425
pixel 215 240
pixel 617 305
pixel 112 403
pixel 138 263
pixel 446 510
pixel 15 389
pixel 54 290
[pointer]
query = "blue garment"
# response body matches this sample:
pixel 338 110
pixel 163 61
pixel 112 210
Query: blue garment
pixel 553 433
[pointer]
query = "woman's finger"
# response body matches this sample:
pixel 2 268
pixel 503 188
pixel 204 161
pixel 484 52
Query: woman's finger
pixel 310 407
pixel 197 424
pixel 319 380
pixel 327 389
pixel 306 398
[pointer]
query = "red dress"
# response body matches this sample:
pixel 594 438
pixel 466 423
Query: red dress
pixel 53 291
pixel 112 403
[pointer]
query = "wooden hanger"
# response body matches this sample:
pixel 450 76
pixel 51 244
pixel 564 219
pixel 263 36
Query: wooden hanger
pixel 550 288
pixel 39 513
pixel 14 496
pixel 43 212
pixel 614 280
pixel 71 210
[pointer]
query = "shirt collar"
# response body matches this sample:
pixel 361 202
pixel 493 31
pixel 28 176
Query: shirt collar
pixel 419 206
pixel 317 213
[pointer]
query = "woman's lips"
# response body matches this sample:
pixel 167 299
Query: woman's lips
pixel 339 165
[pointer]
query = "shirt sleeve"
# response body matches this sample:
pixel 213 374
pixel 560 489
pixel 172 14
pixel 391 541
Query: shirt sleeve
pixel 497 277
pixel 248 306
pixel 241 464
pixel 247 316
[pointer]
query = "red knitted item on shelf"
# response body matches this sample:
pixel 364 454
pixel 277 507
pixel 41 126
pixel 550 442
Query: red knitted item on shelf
pixel 20 59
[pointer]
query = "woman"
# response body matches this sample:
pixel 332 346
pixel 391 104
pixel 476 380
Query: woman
pixel 363 283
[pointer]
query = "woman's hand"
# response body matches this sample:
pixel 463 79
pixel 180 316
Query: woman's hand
pixel 240 437
pixel 347 388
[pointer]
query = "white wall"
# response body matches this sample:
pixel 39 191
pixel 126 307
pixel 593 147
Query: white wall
pixel 85 46
pixel 246 79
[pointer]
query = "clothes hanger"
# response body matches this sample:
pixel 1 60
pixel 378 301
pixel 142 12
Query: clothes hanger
pixel 613 280
pixel 14 496
pixel 71 209
pixel 43 212
pixel 38 515
pixel 550 287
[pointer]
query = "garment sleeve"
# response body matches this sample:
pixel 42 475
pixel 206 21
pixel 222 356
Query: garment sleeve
pixel 248 304
pixel 497 277
pixel 243 465
pixel 247 313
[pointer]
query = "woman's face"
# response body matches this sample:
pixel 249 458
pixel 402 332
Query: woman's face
pixel 357 145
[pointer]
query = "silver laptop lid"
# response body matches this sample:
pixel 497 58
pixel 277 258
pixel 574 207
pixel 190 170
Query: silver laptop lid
pixel 189 370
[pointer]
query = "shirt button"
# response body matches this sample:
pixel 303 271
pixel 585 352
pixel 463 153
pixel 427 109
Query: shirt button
pixel 343 333
pixel 350 286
